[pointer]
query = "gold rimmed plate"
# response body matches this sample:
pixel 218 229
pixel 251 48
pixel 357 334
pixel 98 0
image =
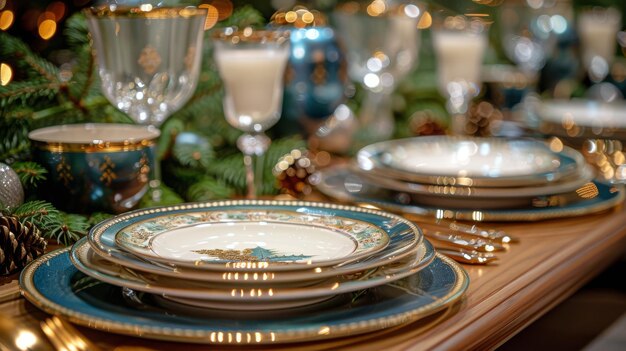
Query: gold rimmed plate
pixel 469 161
pixel 247 296
pixel 382 236
pixel 344 185
pixel 54 285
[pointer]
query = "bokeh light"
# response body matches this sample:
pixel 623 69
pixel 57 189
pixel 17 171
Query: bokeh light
pixel 6 74
pixel 426 21
pixel 47 29
pixel 6 19
pixel 376 8
pixel 212 16
pixel 224 8
pixel 58 9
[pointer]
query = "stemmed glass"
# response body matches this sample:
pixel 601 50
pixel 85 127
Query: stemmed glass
pixel 382 43
pixel 598 28
pixel 149 60
pixel 252 64
pixel 529 30
pixel 459 43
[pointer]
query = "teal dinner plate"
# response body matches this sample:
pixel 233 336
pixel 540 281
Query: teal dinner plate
pixel 346 185
pixel 54 285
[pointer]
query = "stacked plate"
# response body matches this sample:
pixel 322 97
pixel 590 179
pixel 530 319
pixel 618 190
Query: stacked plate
pixel 469 177
pixel 243 258
pixel 582 119
pixel 596 128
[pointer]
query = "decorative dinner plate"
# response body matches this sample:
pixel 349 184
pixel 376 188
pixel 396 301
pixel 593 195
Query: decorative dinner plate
pixel 342 184
pixel 478 197
pixel 249 278
pixel 53 284
pixel 391 235
pixel 583 119
pixel 88 262
pixel 485 162
pixel 252 236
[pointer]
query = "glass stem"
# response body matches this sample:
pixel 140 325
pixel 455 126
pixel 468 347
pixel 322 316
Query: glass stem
pixel 253 147
pixel 155 182
pixel 377 115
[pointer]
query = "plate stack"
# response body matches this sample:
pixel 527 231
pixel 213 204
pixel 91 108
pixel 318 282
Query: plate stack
pixel 241 263
pixel 467 178
pixel 596 128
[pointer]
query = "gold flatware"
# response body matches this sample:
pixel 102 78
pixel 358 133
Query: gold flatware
pixel 17 336
pixel 65 337
pixel 491 234
pixel 471 243
pixel 468 257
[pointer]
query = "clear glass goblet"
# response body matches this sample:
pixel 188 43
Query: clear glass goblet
pixel 382 45
pixel 148 60
pixel 459 43
pixel 252 64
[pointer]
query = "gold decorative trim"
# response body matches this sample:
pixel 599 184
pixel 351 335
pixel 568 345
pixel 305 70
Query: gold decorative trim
pixel 149 59
pixel 107 167
pixel 144 11
pixel 30 292
pixel 65 172
pixel 91 147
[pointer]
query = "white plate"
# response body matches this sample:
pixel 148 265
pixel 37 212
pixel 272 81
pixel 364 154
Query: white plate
pixel 583 119
pixel 481 198
pixel 340 183
pixel 87 261
pixel 586 113
pixel 445 160
pixel 247 236
pixel 403 236
pixel 390 254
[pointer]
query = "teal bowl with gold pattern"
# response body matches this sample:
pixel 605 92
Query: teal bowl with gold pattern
pixel 96 167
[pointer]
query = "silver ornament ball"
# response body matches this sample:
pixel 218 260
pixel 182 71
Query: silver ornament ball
pixel 11 191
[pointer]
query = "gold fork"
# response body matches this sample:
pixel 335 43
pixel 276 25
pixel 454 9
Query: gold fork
pixel 65 337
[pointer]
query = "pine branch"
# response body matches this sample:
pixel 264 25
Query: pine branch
pixel 42 214
pixel 69 229
pixel 24 58
pixel 31 174
pixel 14 143
pixel 98 217
pixel 195 152
pixel 230 170
pixel 245 16
pixel 168 197
pixel 27 91
pixel 76 31
pixel 209 189
pixel 63 227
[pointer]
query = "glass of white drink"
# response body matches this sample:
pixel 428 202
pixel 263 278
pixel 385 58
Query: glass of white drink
pixel 251 64
pixel 459 43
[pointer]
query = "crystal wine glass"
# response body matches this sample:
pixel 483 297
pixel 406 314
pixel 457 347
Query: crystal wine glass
pixel 459 43
pixel 252 64
pixel 148 59
pixel 382 43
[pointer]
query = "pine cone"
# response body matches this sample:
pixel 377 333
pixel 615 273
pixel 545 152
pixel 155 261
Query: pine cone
pixel 19 244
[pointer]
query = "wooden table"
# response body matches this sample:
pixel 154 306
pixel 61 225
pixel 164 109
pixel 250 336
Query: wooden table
pixel 553 260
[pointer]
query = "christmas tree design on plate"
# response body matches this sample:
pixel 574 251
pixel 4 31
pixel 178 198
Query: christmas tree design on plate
pixel 257 254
